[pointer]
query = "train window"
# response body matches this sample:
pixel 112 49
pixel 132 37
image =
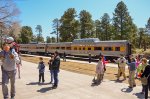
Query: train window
pixel 117 48
pixel 68 48
pixel 89 48
pixel 63 48
pixel 97 48
pixel 75 48
pixel 80 48
pixel 83 48
pixel 107 48
pixel 57 47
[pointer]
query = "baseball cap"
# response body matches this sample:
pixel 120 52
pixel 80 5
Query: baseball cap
pixel 10 39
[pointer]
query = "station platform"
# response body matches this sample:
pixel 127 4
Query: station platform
pixel 71 86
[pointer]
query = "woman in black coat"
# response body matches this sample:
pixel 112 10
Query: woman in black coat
pixel 146 73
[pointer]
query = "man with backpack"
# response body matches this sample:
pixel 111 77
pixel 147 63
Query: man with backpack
pixel 9 60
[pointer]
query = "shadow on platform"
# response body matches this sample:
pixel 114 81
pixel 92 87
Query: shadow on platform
pixel 95 84
pixel 37 83
pixel 140 96
pixel 127 90
pixel 43 90
pixel 118 81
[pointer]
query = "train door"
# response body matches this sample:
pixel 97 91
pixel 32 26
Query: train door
pixel 129 52
pixel 46 47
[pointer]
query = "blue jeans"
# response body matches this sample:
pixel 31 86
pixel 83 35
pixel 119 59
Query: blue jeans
pixel 52 75
pixel 6 75
pixel 55 72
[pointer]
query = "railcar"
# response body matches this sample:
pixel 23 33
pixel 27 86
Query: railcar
pixel 94 47
pixel 41 48
pixel 60 47
pixel 81 47
pixel 24 48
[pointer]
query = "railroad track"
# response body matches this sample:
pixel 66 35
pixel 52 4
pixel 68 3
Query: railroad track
pixel 67 57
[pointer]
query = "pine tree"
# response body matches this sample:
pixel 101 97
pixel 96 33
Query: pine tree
pixel 148 25
pixel 39 35
pixel 86 24
pixel 69 26
pixel 105 27
pixel 26 34
pixel 122 22
pixel 56 26
pixel 97 29
pixel 48 39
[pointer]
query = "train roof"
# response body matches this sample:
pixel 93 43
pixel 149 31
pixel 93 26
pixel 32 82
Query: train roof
pixel 60 43
pixel 96 40
pixel 116 41
pixel 87 40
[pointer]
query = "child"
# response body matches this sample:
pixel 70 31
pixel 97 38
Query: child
pixel 50 68
pixel 41 68
pixel 100 70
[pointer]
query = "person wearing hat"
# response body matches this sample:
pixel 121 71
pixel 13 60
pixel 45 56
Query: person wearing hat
pixel 13 45
pixel 8 70
pixel 121 66
pixel 55 68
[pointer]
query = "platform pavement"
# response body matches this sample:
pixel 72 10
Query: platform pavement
pixel 71 86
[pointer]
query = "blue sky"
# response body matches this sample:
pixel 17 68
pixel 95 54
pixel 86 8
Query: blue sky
pixel 42 12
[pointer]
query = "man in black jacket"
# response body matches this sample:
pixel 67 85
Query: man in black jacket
pixel 55 68
pixel 146 73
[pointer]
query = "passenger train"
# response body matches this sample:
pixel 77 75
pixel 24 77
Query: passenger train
pixel 81 47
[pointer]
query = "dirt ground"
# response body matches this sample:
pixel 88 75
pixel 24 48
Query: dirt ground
pixel 83 68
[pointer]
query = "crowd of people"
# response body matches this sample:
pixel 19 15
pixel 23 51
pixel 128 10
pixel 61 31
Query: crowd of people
pixel 139 67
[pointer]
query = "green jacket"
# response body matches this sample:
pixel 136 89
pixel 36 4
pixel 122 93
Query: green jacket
pixel 141 67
